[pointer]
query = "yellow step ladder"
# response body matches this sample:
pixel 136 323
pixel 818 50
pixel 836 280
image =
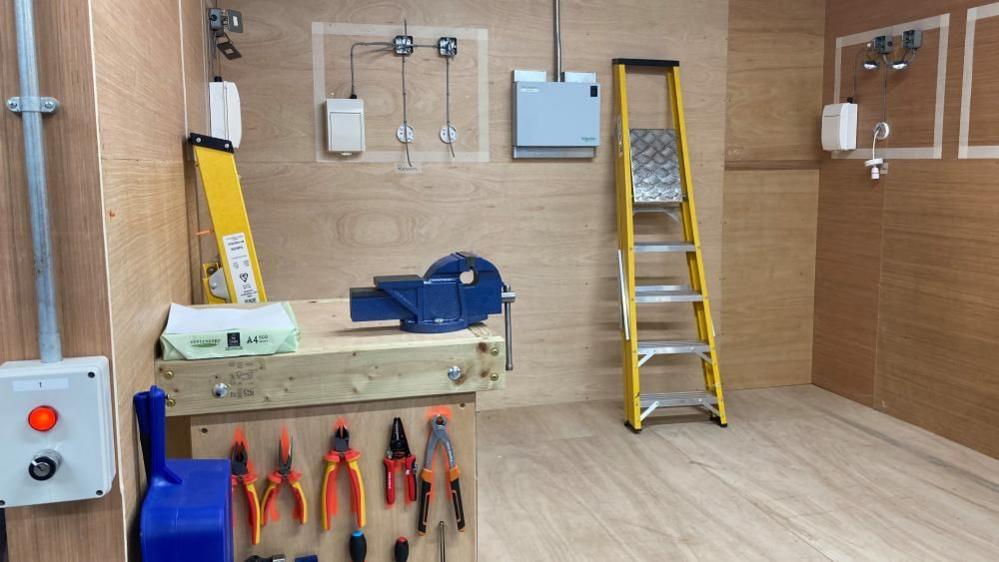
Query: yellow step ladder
pixel 652 173
pixel 235 276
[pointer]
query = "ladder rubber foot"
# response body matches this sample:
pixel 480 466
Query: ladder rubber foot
pixel 632 428
pixel 717 420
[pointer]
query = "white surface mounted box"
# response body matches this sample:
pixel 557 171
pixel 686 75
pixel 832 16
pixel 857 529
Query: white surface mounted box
pixel 345 126
pixel 839 127
pixel 561 117
pixel 58 434
pixel 224 112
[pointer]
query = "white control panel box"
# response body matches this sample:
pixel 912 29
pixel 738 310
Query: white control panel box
pixel 58 434
pixel 345 126
pixel 225 112
pixel 839 127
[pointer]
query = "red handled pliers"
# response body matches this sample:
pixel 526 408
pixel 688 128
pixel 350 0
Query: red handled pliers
pixel 244 475
pixel 399 458
pixel 340 453
pixel 284 473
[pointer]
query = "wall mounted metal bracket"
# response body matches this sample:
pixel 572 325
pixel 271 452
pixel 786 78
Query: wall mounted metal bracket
pixel 36 104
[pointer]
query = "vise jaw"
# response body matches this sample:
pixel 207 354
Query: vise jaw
pixel 437 302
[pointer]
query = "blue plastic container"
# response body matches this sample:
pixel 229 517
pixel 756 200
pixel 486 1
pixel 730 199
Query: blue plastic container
pixel 186 515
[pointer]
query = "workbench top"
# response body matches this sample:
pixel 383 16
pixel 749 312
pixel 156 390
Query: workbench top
pixel 338 361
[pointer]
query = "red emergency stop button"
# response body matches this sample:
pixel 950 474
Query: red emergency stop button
pixel 43 418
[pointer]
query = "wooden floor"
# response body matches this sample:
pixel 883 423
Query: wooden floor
pixel 799 474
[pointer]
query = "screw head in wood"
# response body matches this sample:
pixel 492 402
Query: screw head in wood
pixel 454 373
pixel 494 351
pixel 170 402
pixel 494 376
pixel 168 375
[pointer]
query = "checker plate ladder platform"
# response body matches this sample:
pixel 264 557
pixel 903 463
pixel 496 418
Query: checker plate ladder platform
pixel 652 171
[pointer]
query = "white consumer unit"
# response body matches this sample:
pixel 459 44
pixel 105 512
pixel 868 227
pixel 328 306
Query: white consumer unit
pixel 345 126
pixel 224 112
pixel 555 119
pixel 58 434
pixel 839 127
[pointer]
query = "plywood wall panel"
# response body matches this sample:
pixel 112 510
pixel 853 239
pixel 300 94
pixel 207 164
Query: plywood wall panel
pixel 847 273
pixel 310 429
pixel 771 190
pixel 549 226
pixel 774 80
pixel 769 277
pixel 143 116
pixel 905 295
pixel 91 529
pixel 984 124
pixel 937 343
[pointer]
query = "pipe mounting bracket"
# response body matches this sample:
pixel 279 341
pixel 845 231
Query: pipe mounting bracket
pixel 39 104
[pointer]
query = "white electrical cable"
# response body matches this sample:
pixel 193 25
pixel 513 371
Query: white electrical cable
pixel 447 103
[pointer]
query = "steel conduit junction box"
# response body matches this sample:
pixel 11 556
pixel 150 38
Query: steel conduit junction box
pixel 58 439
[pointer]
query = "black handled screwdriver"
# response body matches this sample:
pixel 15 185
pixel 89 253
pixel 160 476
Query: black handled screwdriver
pixel 401 549
pixel 358 546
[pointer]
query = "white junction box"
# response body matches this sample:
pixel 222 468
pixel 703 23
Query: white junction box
pixel 345 126
pixel 839 127
pixel 58 435
pixel 555 119
pixel 225 112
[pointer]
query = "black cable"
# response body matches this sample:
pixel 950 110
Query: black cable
pixel 353 94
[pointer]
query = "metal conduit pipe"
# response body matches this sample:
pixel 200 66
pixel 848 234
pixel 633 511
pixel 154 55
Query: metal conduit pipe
pixel 31 106
pixel 558 41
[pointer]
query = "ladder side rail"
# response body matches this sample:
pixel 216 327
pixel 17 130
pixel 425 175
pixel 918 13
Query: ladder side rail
pixel 227 209
pixel 695 260
pixel 626 245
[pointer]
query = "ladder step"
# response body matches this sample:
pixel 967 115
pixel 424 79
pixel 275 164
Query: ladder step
pixel 672 347
pixel 648 294
pixel 678 399
pixel 648 247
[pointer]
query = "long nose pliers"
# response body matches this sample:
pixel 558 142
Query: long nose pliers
pixel 439 436
pixel 243 475
pixel 284 473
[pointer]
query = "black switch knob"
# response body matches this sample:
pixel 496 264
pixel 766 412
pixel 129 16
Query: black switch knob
pixel 44 465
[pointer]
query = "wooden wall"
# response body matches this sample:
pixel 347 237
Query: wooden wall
pixel 118 197
pixel 93 529
pixel 905 303
pixel 772 156
pixel 144 116
pixel 549 226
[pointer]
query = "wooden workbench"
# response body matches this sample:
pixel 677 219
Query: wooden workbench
pixel 366 374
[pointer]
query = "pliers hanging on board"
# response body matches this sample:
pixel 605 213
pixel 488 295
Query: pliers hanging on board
pixel 439 436
pixel 243 475
pixel 340 453
pixel 285 473
pixel 398 458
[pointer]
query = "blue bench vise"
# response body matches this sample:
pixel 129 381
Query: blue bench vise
pixel 439 301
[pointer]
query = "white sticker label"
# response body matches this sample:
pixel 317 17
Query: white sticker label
pixel 40 384
pixel 241 268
